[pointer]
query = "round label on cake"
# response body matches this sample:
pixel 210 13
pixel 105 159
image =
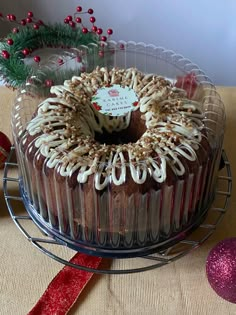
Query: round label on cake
pixel 115 100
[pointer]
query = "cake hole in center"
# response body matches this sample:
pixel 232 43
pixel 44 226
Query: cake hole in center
pixel 130 134
pixel 121 137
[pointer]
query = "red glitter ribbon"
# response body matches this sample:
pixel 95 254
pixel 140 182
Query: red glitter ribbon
pixel 65 288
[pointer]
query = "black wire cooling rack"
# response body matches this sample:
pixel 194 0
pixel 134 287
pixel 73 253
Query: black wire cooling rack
pixel 49 245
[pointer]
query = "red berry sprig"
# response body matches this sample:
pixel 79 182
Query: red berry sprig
pixel 23 22
pixel 72 22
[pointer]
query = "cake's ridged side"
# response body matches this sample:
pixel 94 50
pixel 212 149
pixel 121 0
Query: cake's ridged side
pixel 115 219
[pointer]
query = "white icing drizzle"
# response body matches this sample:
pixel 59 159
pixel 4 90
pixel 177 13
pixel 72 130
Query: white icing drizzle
pixel 66 125
pixel 118 162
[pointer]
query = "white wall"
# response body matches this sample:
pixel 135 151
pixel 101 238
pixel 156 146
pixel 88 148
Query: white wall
pixel 203 31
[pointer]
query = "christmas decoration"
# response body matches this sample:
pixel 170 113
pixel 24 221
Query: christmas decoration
pixel 5 147
pixel 221 269
pixel 188 83
pixel 65 288
pixel 32 34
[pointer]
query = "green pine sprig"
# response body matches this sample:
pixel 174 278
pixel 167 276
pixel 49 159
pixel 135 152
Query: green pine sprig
pixel 14 71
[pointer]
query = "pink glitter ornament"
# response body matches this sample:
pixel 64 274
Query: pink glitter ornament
pixel 221 269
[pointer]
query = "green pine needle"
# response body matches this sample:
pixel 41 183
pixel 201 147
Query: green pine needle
pixel 14 71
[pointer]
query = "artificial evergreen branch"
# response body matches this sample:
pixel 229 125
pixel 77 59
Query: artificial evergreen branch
pixel 23 42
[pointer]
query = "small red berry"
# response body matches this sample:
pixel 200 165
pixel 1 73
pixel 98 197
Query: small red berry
pixel 78 20
pixel 28 20
pixel 10 41
pixel 83 69
pixel 72 24
pixel 94 28
pixel 109 31
pixel 1 15
pixel 15 30
pixel 36 26
pixel 30 14
pixel 85 30
pixel 79 9
pixel 79 59
pixel 12 17
pixel 103 38
pixel 60 61
pixel 9 16
pixel 101 53
pixel 37 59
pixel 99 31
pixel 40 22
pixel 66 21
pixel 48 83
pixel 26 51
pixel 69 18
pixel 23 22
pixel 92 19
pixel 5 54
pixel 90 11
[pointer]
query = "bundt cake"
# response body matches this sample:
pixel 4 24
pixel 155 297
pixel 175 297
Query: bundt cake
pixel 116 183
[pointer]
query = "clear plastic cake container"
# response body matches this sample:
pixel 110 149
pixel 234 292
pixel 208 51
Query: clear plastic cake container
pixel 120 223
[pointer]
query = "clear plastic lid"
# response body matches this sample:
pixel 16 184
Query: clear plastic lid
pixel 114 213
pixel 182 72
